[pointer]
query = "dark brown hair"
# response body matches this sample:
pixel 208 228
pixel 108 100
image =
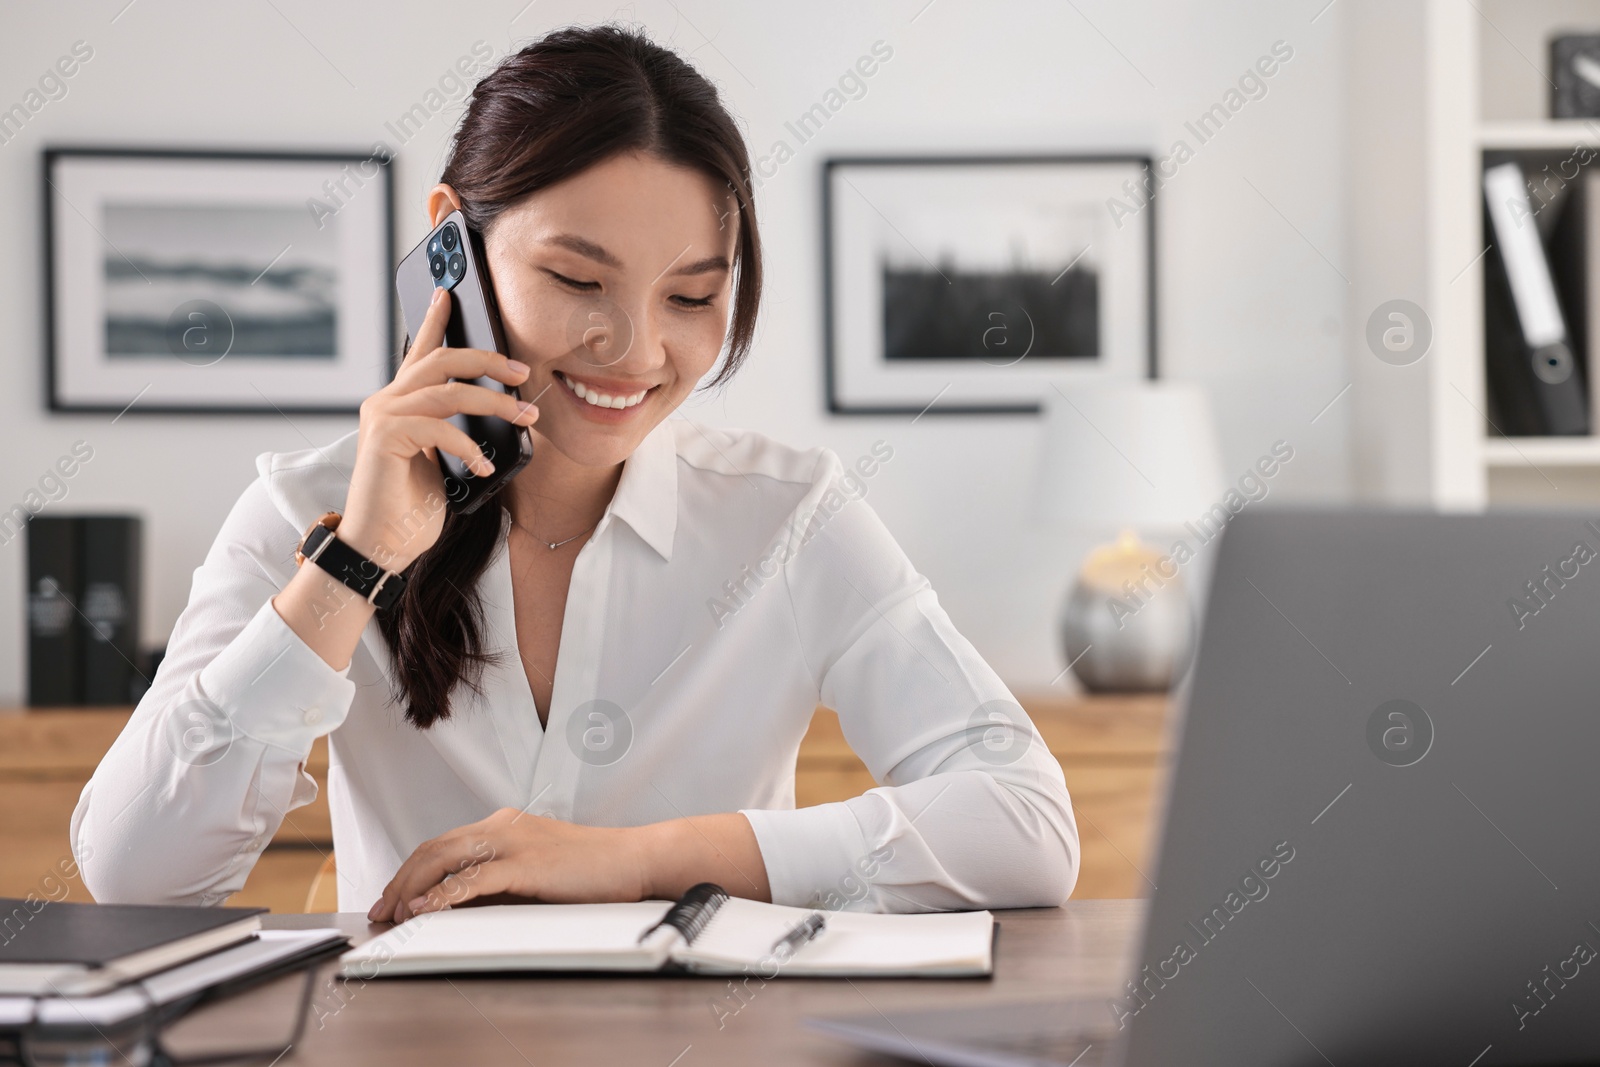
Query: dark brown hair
pixel 574 98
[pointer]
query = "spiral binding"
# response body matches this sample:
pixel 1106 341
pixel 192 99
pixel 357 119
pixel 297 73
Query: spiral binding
pixel 692 912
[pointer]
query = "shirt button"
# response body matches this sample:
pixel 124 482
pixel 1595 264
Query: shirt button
pixel 313 716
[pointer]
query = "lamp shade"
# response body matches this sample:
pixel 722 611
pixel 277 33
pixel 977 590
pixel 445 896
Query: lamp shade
pixel 1128 454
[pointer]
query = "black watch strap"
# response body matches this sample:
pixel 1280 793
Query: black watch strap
pixel 377 586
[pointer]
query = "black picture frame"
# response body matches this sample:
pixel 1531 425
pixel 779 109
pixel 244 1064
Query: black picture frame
pixel 52 156
pixel 838 404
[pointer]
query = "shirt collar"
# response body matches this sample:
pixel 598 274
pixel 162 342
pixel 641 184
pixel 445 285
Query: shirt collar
pixel 647 493
pixel 306 484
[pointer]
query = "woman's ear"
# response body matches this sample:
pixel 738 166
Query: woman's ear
pixel 441 201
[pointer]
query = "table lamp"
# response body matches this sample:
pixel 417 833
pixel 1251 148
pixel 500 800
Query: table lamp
pixel 1129 456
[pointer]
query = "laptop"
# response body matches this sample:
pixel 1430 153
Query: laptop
pixel 1380 842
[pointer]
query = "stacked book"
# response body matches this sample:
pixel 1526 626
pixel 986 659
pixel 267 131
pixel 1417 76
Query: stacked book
pixel 73 966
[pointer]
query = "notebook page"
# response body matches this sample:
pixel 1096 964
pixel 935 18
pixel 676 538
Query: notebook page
pixel 852 943
pixel 517 937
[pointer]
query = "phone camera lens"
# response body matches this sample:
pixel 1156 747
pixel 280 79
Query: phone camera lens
pixel 458 266
pixel 450 238
pixel 436 264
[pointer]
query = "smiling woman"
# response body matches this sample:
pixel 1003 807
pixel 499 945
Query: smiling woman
pixel 544 709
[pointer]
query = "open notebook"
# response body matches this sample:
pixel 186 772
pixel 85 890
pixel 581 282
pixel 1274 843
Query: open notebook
pixel 706 932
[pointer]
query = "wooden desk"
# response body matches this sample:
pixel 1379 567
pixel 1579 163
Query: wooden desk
pixel 1080 950
pixel 1113 750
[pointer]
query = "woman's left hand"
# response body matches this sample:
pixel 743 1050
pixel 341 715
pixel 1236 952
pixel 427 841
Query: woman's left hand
pixel 513 852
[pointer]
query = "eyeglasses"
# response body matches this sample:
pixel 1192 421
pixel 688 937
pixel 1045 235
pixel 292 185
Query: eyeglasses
pixel 218 1026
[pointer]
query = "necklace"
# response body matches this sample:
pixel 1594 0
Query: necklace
pixel 553 545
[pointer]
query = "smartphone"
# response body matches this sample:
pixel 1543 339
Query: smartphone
pixel 451 257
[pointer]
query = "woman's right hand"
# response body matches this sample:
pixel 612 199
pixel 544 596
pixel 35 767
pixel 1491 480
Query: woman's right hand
pixel 396 505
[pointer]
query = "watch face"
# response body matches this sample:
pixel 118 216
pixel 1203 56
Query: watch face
pixel 308 547
pixel 327 521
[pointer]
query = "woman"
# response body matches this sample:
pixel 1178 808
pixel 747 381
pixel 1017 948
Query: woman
pixel 593 688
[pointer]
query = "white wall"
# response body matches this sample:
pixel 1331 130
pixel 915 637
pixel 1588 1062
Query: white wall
pixel 1252 303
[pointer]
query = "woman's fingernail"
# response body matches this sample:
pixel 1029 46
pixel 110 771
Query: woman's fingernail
pixel 518 365
pixel 372 912
pixel 418 905
pixel 438 294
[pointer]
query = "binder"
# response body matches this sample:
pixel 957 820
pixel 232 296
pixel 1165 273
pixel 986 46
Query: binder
pixel 1575 259
pixel 84 581
pixel 55 674
pixel 1535 379
pixel 110 606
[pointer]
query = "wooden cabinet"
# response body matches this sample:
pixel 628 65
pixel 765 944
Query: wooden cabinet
pixel 1112 749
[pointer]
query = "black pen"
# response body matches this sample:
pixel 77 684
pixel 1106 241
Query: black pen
pixel 805 930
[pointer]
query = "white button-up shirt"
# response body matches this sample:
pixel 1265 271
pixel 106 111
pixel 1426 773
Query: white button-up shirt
pixel 731 586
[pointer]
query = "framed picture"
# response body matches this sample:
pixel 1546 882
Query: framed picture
pixel 217 282
pixel 970 284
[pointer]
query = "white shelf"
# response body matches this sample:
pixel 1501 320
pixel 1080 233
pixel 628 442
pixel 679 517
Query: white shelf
pixel 1542 451
pixel 1554 134
pixel 1420 75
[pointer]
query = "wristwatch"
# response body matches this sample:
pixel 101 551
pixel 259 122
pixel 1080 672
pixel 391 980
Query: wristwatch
pixel 376 586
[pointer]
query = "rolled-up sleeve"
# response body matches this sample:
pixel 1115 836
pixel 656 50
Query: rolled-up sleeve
pixel 973 809
pixel 212 759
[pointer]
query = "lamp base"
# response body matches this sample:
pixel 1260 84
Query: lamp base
pixel 1137 641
